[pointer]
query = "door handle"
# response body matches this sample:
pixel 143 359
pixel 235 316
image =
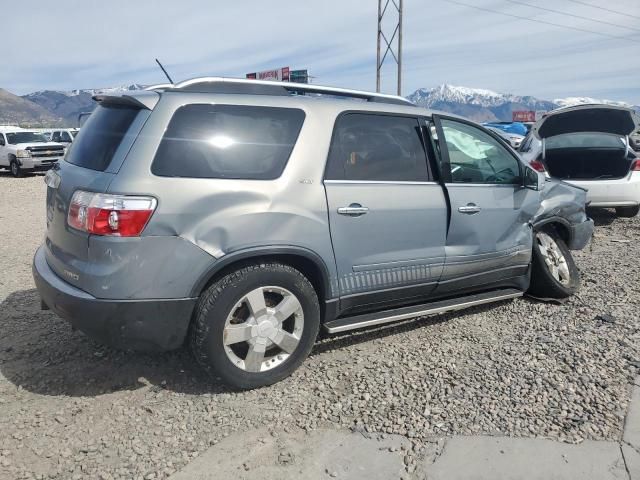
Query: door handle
pixel 470 209
pixel 353 210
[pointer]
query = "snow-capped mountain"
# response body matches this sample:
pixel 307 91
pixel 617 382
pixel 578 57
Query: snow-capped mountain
pixel 475 103
pixel 90 91
pixel 69 104
pixel 571 101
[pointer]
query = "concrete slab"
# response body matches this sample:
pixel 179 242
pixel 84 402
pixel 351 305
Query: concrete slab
pixel 322 454
pixel 632 461
pixel 632 422
pixel 500 458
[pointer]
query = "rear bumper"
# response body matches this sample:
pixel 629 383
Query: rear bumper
pixel 145 325
pixel 580 234
pixel 612 193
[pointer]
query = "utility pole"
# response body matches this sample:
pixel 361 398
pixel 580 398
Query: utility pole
pixel 397 36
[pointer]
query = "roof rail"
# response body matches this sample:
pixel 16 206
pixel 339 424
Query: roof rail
pixel 264 87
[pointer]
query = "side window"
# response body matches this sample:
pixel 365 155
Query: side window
pixel 476 157
pixel 375 147
pixel 228 141
pixel 65 137
pixel 55 137
pixel 2 142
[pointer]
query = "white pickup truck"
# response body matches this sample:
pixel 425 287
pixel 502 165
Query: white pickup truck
pixel 23 150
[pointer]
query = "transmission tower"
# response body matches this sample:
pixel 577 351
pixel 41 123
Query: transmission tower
pixel 396 36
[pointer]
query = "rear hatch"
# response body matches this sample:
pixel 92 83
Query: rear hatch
pixel 587 142
pixel 91 163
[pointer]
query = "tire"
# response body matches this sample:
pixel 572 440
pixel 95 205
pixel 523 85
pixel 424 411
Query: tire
pixel 15 169
pixel 627 212
pixel 231 309
pixel 554 273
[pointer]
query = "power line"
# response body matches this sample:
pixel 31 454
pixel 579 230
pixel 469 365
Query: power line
pixel 520 17
pixel 572 15
pixel 604 8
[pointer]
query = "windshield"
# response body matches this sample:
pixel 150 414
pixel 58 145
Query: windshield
pixel 585 140
pixel 25 137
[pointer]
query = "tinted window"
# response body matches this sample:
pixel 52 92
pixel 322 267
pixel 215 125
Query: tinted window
pixel 228 141
pixel 101 136
pixel 65 137
pixel 1 139
pixel 476 157
pixel 377 147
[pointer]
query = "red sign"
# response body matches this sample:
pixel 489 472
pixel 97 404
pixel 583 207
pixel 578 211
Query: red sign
pixel 523 116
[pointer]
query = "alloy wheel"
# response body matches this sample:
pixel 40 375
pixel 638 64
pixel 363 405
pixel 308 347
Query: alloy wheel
pixel 553 258
pixel 263 329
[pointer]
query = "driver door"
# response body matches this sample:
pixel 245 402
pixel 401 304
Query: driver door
pixel 489 239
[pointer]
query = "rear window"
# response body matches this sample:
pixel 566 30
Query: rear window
pixel 228 141
pixel 101 136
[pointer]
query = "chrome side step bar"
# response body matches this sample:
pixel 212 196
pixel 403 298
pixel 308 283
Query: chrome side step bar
pixel 432 308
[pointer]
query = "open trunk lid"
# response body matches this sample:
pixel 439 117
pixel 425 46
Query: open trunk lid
pixel 91 163
pixel 594 118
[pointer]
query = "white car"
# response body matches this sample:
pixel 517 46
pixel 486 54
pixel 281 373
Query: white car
pixel 65 136
pixel 512 139
pixel 588 146
pixel 24 150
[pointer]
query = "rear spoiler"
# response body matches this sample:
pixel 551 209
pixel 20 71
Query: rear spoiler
pixel 143 99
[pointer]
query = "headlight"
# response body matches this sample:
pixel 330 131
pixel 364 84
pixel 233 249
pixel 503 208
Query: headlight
pixel 23 154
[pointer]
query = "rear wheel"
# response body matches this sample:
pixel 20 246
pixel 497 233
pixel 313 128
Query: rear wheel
pixel 627 212
pixel 554 273
pixel 16 171
pixel 255 326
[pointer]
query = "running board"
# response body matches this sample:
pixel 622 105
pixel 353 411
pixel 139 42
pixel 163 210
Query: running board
pixel 432 308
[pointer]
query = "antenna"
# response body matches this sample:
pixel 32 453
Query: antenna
pixel 165 72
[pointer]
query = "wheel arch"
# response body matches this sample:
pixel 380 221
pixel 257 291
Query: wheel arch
pixel 561 225
pixel 306 261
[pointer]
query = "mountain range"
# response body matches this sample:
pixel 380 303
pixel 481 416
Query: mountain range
pixel 61 108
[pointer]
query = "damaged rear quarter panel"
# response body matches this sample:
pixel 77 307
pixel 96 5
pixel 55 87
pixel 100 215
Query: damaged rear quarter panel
pixel 224 216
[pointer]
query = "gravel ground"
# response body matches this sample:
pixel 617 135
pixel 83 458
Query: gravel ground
pixel 71 408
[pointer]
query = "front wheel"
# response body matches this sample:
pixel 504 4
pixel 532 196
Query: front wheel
pixel 627 212
pixel 255 326
pixel 554 273
pixel 16 171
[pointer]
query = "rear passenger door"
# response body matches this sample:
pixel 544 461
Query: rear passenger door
pixel 489 239
pixel 387 215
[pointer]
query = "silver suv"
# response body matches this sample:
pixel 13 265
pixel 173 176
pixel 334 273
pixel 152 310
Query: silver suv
pixel 244 217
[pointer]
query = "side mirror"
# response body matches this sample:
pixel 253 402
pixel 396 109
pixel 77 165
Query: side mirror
pixel 533 180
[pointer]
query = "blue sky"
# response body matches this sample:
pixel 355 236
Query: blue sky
pixel 89 44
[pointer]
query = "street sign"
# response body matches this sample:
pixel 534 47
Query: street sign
pixel 299 76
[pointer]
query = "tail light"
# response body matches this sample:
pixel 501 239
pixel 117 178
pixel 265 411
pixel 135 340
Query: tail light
pixel 104 214
pixel 537 165
pixel 636 166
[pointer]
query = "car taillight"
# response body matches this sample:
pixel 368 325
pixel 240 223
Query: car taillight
pixel 636 166
pixel 537 165
pixel 104 214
